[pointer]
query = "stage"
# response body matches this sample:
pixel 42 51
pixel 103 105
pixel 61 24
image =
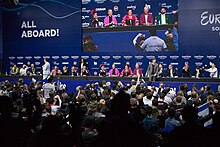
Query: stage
pixel 71 82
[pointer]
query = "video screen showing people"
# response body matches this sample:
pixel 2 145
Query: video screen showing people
pixel 130 26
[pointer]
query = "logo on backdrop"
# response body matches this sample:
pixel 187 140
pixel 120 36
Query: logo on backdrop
pixel 116 57
pixel 186 57
pixel 174 57
pixel 115 8
pixel 115 1
pixel 212 20
pixel 37 57
pixel 198 63
pixel 211 57
pixel 127 57
pixel 86 1
pixel 74 57
pixel 30 31
pixel 11 58
pixel 139 57
pixel 28 57
pixel 99 1
pixel 20 58
pixel 95 57
pixel 105 57
pixel 198 57
pixel 55 57
pixel 150 57
pixel 65 57
pixel 162 57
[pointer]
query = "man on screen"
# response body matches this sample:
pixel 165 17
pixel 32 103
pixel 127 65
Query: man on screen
pixel 130 19
pixel 146 18
pixel 163 18
pixel 151 44
pixel 95 21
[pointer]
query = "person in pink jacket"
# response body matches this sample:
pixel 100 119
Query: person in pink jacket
pixel 146 18
pixel 114 71
pixel 110 20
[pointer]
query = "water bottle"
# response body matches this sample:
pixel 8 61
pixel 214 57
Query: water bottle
pixel 155 22
pixel 6 73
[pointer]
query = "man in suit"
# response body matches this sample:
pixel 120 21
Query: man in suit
pixel 172 72
pixel 146 18
pixel 152 70
pixel 163 18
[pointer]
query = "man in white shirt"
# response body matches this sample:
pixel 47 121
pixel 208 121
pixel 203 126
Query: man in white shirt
pixel 213 71
pixel 47 88
pixel 46 69
pixel 153 43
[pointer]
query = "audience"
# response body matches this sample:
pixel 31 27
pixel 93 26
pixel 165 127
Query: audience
pixel 108 115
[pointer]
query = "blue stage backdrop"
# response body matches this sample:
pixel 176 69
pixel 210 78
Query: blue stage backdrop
pixel 119 8
pixel 1 47
pixel 34 29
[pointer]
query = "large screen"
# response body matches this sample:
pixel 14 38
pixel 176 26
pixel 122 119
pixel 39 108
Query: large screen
pixel 61 30
pixel 130 26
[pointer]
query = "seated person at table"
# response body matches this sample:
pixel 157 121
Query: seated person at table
pixel 74 71
pixel 85 71
pixel 198 73
pixel 23 70
pixel 65 70
pixel 186 70
pixel 102 72
pixel 114 71
pixel 130 19
pixel 55 71
pixel 163 18
pixel 32 70
pixel 126 72
pixel 110 20
pixel 14 70
pixel 160 71
pixel 146 18
pixel 151 44
pixel 137 71
pixel 172 72
pixel 213 71
pixel 95 21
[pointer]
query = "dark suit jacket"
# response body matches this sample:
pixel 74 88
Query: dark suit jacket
pixel 174 73
pixel 150 69
pixel 149 19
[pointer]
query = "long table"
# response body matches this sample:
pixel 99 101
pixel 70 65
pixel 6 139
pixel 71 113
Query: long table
pixel 126 28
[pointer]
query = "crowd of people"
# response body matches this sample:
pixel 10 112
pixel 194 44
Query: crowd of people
pixel 153 71
pixel 107 114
